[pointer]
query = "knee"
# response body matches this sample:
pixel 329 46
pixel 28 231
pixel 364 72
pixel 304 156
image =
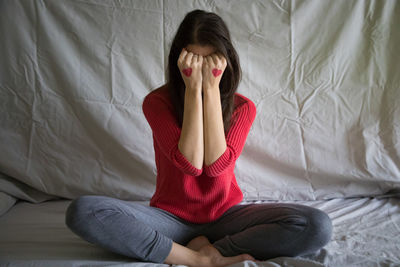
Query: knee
pixel 79 210
pixel 319 228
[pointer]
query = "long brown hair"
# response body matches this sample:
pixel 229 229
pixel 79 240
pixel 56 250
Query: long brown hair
pixel 204 28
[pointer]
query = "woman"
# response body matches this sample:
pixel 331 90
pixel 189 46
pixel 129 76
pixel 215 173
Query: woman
pixel 199 126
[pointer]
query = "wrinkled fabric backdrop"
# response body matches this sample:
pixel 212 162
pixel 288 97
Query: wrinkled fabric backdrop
pixel 324 76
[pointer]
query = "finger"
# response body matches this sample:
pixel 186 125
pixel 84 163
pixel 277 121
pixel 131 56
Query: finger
pixel 215 59
pixel 182 56
pixel 204 63
pixel 200 60
pixel 223 60
pixel 209 61
pixel 188 59
pixel 194 59
pixel 220 56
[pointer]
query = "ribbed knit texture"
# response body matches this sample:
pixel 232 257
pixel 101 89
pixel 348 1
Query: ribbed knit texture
pixel 196 195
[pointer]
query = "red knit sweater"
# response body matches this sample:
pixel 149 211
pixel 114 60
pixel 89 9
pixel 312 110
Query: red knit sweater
pixel 196 195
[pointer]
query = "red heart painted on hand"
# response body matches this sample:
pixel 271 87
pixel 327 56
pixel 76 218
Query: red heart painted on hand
pixel 216 72
pixel 187 72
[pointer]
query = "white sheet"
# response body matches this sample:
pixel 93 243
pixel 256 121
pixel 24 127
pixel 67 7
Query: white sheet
pixel 366 233
pixel 323 75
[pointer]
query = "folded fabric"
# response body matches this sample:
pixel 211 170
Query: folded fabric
pixel 19 190
pixel 6 202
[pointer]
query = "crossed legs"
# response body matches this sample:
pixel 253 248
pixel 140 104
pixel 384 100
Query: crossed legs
pixel 151 234
pixel 270 230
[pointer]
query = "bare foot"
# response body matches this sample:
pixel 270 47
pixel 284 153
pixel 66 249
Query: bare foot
pixel 198 242
pixel 215 259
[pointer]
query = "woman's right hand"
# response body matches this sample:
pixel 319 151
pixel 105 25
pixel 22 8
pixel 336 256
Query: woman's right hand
pixel 190 66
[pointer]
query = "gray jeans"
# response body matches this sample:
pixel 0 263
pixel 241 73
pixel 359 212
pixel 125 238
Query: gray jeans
pixel 146 233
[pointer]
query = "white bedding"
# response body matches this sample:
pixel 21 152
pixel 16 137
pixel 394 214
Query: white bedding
pixel 324 76
pixel 366 233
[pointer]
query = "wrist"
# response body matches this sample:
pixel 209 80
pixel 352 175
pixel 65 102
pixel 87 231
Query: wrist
pixel 194 89
pixel 211 90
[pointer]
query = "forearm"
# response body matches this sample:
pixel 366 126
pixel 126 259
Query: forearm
pixel 214 136
pixel 191 142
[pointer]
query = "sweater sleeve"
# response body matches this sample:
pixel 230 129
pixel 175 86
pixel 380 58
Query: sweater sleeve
pixel 166 132
pixel 235 139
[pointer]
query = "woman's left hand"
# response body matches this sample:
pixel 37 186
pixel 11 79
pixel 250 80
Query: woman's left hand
pixel 213 68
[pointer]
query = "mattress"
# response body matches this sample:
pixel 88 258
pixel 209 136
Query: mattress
pixel 366 233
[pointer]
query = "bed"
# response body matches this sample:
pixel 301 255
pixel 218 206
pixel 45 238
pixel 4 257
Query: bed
pixel 322 74
pixel 366 233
